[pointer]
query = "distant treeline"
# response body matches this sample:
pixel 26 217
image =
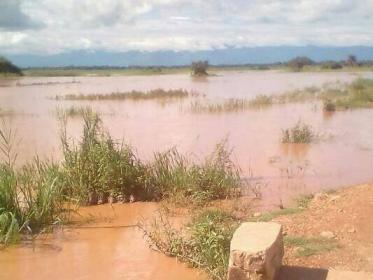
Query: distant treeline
pixel 7 67
pixel 296 64
pixel 324 64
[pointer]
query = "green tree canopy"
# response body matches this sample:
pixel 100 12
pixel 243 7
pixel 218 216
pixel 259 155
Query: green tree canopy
pixel 8 67
pixel 299 62
pixel 199 68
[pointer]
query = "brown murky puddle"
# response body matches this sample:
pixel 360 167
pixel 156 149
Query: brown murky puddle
pixel 107 249
pixel 344 157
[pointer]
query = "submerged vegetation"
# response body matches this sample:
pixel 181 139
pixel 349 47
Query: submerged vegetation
pixel 132 95
pixel 72 111
pixel 231 105
pixel 357 95
pixel 300 133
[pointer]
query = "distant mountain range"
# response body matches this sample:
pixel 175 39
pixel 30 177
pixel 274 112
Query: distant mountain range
pixel 249 55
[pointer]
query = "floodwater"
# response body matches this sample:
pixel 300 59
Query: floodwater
pixel 112 248
pixel 343 156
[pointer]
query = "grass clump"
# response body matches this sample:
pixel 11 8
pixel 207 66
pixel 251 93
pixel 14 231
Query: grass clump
pixel 132 95
pixel 300 133
pixel 203 243
pixel 72 111
pixel 97 167
pixel 310 246
pixel 32 198
pixel 174 177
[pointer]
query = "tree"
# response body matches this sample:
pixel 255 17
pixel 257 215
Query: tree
pixel 199 68
pixel 8 67
pixel 299 62
pixel 351 60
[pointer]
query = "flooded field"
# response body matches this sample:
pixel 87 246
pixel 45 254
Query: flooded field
pixel 343 155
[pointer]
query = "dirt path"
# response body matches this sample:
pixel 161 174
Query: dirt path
pixel 346 219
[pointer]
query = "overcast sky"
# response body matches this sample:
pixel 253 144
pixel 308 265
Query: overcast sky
pixel 56 26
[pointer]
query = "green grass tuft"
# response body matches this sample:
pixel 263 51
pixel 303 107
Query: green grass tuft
pixel 310 246
pixel 300 133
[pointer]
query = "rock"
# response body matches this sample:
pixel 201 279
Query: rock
pixel 256 252
pixel 327 234
pixel 257 214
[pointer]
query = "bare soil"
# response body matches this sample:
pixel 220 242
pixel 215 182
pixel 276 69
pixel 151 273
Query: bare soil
pixel 348 215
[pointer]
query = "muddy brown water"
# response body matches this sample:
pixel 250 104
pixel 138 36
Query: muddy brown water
pixel 105 249
pixel 343 157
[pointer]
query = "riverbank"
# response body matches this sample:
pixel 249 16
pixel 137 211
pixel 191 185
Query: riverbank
pixel 343 220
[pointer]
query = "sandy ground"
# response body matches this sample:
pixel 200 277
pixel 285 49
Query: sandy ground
pixel 348 215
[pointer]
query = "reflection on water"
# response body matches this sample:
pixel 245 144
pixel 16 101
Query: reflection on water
pixel 343 157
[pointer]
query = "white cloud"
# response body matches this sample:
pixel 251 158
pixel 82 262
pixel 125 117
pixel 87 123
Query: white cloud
pixel 120 25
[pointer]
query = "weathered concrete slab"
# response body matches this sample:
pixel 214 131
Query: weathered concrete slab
pixel 256 252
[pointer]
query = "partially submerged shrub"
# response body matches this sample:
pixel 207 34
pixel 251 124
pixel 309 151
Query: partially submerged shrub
pixel 300 133
pixel 329 106
pixel 204 242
